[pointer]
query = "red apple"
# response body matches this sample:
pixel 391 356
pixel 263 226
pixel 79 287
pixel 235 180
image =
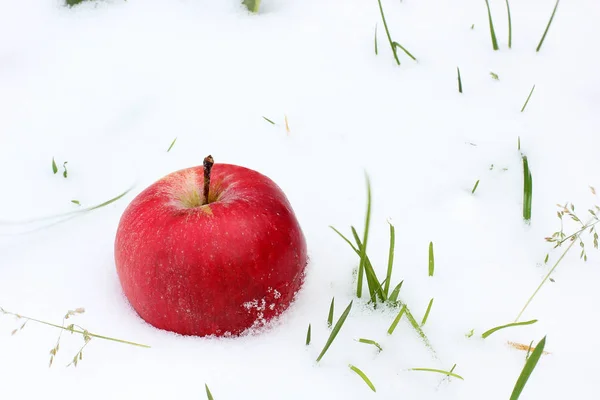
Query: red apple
pixel 215 263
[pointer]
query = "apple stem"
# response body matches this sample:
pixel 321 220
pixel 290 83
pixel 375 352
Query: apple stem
pixel 208 164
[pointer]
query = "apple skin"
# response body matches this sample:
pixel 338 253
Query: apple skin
pixel 216 269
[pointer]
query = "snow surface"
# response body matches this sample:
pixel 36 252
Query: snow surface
pixel 107 87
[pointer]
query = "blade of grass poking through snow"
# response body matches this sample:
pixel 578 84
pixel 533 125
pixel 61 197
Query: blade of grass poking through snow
pixel 547 27
pixel 331 310
pixel 527 190
pixel 528 369
pixel 431 259
pixel 376 49
pixel 208 393
pixel 269 121
pixel 394 296
pixel 509 25
pixel 252 5
pixel 427 312
pixel 363 248
pixel 459 80
pixel 387 32
pixel 490 331
pixel 394 324
pixel 396 44
pixel 54 167
pixel 371 342
pixel 363 376
pixel 335 330
pixel 172 144
pixel 528 97
pixel 65 169
pixel 492 31
pixel 375 289
pixel 439 371
pixel 388 275
pixel 475 187
pixel 308 335
pixel 417 328
pixel 345 239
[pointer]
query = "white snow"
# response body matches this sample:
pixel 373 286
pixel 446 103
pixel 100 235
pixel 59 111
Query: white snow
pixel 107 86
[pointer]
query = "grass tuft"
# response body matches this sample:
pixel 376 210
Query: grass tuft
pixel 439 371
pixel 491 331
pixel 492 31
pixel 363 376
pixel 528 369
pixel 547 27
pixel 335 331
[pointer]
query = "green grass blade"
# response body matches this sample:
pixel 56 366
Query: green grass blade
pixel 431 259
pixel 394 324
pixel 475 187
pixel 308 335
pixel 330 315
pixel 375 289
pixel 394 296
pixel 388 275
pixel 335 330
pixel 459 80
pixel 208 394
pixel 528 97
pixel 527 190
pixel 490 331
pixel 345 239
pixel 363 376
pixel 396 44
pixel 252 5
pixel 54 166
pixel 509 25
pixel 387 32
pixel 427 312
pixel 363 248
pixel 269 121
pixel 528 369
pixel 547 27
pixel 417 328
pixel 492 31
pixel 376 49
pixel 439 371
pixel 371 342
pixel 172 144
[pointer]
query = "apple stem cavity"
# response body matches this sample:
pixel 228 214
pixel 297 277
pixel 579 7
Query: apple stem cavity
pixel 208 164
